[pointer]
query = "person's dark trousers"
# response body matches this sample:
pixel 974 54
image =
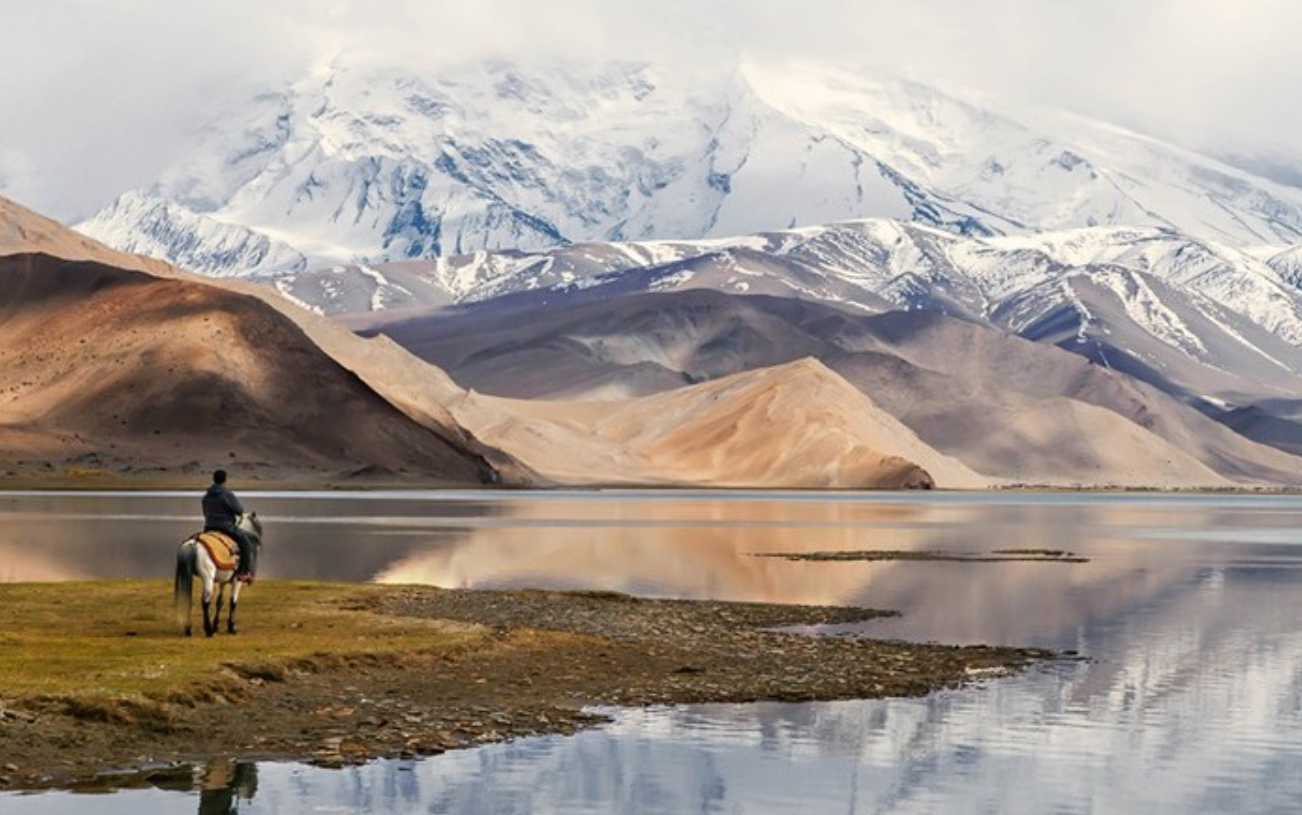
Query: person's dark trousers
pixel 242 541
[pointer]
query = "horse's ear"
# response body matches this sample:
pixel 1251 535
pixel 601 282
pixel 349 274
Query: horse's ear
pixel 253 515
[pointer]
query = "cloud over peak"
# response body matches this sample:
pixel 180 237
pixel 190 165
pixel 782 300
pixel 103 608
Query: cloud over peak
pixel 96 98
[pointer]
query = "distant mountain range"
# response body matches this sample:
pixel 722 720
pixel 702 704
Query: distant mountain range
pixel 633 276
pixel 351 164
pixel 1143 256
pixel 125 368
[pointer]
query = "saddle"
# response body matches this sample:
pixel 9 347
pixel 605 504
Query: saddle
pixel 222 548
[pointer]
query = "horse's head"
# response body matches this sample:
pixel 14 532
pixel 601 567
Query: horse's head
pixel 253 531
pixel 252 527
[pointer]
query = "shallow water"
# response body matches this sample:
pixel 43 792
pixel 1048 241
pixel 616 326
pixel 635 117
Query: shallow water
pixel 1190 608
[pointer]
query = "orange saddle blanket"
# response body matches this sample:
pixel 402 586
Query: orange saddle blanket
pixel 224 551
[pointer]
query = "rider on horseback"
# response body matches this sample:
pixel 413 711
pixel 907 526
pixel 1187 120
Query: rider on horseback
pixel 221 511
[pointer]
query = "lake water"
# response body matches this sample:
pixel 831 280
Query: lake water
pixel 1190 610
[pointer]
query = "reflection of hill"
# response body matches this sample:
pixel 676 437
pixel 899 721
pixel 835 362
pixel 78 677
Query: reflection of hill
pixel 702 549
pixel 66 537
pixel 684 546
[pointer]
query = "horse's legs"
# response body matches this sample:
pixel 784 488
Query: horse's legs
pixel 217 607
pixel 209 628
pixel 235 598
pixel 189 613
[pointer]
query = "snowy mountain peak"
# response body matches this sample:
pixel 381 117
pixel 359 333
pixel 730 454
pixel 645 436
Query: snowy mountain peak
pixel 369 164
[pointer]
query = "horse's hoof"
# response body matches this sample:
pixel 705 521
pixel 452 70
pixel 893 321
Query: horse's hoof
pixel 188 632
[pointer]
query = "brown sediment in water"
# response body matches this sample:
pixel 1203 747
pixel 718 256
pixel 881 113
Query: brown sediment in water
pixel 885 555
pixel 400 671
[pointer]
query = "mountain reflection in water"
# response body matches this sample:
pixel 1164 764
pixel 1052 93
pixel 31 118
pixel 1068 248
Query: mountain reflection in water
pixel 1191 700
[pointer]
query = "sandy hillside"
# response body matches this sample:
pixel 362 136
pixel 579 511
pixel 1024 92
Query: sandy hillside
pixel 110 371
pixel 794 425
pixel 402 386
pixel 412 385
pixel 1006 407
pixel 778 438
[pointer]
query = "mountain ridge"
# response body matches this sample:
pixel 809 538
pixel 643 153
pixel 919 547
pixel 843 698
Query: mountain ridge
pixel 126 374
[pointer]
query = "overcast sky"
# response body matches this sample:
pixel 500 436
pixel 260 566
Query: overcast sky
pixel 95 97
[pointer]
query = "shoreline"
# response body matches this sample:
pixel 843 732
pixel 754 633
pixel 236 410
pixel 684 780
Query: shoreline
pixel 254 484
pixel 339 674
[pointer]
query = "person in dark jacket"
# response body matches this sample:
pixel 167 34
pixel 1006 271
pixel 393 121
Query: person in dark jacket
pixel 221 511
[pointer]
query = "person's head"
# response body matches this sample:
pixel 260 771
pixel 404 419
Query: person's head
pixel 219 477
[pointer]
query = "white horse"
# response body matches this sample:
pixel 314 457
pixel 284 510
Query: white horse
pixel 193 560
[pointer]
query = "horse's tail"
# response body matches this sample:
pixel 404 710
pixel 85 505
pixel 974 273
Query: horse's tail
pixel 183 590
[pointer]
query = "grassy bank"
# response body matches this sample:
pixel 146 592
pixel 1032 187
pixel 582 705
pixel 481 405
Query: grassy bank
pixel 117 639
pixel 97 677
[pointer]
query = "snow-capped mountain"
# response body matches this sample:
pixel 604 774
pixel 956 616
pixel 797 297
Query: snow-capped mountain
pixel 359 164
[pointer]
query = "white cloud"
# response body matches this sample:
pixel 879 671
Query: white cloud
pixel 97 96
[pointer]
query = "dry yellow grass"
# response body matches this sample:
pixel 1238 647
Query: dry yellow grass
pixel 117 640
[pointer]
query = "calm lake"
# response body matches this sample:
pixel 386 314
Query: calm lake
pixel 1190 611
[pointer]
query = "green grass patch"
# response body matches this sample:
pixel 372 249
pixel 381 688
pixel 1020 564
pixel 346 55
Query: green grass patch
pixel 111 649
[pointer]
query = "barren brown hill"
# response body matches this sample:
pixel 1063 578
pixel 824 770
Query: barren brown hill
pixel 119 372
pixel 289 391
pixel 795 425
pixel 415 387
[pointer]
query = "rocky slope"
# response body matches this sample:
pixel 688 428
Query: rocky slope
pixel 1216 327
